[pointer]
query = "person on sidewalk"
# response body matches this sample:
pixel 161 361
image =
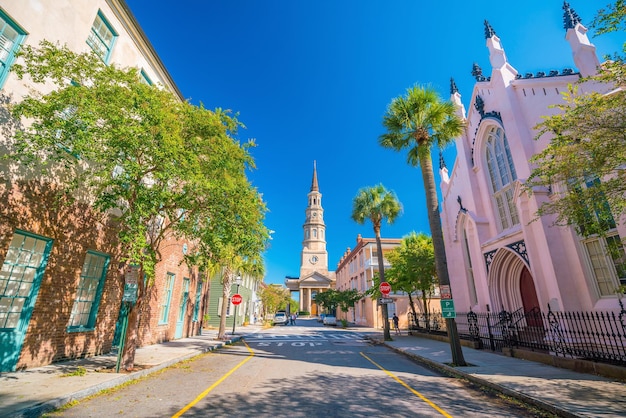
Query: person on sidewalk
pixel 293 319
pixel 396 321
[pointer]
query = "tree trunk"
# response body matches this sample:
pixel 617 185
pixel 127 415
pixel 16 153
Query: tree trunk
pixel 381 274
pixel 227 281
pixel 441 263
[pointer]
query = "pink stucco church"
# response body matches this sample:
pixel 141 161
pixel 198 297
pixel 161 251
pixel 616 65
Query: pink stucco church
pixel 497 258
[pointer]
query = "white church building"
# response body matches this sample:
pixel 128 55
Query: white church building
pixel 498 257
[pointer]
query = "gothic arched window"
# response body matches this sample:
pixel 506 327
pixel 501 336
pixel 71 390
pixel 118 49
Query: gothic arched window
pixel 502 176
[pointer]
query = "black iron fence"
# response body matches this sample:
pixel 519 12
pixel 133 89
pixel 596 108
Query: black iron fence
pixel 596 336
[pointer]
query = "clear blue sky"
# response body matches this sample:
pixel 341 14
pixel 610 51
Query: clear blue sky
pixel 311 80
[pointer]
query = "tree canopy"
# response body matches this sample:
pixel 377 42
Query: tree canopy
pixel 413 268
pixel 159 166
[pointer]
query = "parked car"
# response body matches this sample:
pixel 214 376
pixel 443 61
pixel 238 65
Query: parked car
pixel 329 320
pixel 280 318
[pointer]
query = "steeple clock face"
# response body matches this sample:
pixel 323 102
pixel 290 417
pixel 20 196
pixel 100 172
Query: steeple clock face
pixel 314 259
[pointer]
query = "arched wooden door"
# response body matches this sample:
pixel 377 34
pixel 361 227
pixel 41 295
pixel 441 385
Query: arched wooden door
pixel 529 297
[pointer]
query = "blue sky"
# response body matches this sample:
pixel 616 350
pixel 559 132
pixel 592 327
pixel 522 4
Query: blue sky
pixel 311 80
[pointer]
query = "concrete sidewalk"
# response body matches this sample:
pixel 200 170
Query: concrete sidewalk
pixel 564 392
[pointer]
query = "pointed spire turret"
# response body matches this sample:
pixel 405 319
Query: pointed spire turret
pixel 442 163
pixel 489 32
pixel 570 17
pixel 314 186
pixel 453 87
pixel 477 72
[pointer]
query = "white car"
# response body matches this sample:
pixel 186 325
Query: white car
pixel 280 319
pixel 330 320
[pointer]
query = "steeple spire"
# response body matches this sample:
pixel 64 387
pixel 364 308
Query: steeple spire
pixel 489 32
pixel 570 17
pixel 453 87
pixel 314 186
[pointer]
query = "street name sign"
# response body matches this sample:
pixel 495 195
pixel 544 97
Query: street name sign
pixel 447 308
pixel 382 301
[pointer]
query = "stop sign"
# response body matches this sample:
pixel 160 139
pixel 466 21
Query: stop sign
pixel 236 299
pixel 384 288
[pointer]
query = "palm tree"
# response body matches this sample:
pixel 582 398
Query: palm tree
pixel 376 204
pixel 417 121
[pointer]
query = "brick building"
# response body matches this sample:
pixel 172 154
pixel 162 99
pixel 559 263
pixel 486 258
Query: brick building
pixel 61 283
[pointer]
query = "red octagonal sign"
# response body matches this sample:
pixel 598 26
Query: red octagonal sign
pixel 236 299
pixel 384 288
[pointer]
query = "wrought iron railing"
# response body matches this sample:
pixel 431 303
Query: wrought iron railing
pixel 597 336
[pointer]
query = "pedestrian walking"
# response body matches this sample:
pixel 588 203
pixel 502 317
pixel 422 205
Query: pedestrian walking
pixel 293 319
pixel 396 321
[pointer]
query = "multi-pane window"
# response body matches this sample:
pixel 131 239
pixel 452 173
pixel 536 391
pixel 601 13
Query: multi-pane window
pixel 606 250
pixel 11 36
pixel 502 176
pixel 102 37
pixel 166 299
pixel 90 285
pixel 23 262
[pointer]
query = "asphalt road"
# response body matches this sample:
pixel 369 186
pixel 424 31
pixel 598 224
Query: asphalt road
pixel 306 370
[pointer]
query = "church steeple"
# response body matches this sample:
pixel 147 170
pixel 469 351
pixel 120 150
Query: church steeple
pixel 314 255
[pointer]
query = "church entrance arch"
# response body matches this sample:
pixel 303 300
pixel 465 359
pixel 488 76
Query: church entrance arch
pixel 511 284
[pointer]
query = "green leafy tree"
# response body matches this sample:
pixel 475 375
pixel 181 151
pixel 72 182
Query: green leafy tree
pixel 417 122
pixel 377 204
pixel 137 153
pixel 328 300
pixel 274 298
pixel 347 298
pixel 230 235
pixel 413 269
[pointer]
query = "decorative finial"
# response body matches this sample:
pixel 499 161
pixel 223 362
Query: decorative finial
pixel 442 163
pixel 570 17
pixel 461 208
pixel 489 32
pixel 453 87
pixel 477 72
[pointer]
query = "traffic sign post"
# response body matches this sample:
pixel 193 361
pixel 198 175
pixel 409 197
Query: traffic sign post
pixel 447 308
pixel 385 288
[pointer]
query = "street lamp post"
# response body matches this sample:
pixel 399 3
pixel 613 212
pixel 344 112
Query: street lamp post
pixel 237 282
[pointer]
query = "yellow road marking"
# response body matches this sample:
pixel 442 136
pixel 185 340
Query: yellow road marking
pixel 416 393
pixel 214 385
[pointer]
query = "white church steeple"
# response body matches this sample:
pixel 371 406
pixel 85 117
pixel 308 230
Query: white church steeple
pixel 314 255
